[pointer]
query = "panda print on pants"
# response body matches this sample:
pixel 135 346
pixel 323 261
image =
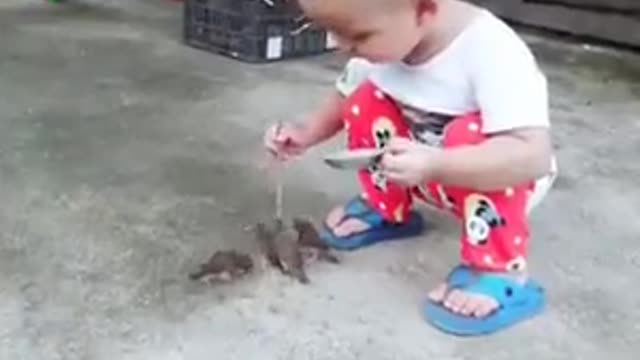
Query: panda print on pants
pixel 480 217
pixel 383 130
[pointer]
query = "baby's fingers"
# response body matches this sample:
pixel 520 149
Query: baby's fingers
pixel 283 134
pixel 390 162
pixel 396 176
pixel 399 145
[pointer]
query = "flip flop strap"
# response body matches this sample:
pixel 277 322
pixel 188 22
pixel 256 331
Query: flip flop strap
pixel 505 291
pixel 459 277
pixel 359 209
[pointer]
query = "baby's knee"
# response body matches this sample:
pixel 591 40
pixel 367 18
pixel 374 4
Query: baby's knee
pixel 464 130
pixel 371 118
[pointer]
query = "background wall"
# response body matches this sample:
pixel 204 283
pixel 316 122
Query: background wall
pixel 611 20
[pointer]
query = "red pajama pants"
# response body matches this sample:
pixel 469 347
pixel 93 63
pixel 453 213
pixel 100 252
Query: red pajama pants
pixel 494 224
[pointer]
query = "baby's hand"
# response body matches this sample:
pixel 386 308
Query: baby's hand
pixel 410 163
pixel 285 141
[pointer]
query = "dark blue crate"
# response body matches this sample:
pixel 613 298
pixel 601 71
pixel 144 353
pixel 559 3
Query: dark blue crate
pixel 251 30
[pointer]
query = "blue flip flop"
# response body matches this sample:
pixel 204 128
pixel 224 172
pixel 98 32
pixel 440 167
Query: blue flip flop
pixel 379 229
pixel 518 302
pixel 460 276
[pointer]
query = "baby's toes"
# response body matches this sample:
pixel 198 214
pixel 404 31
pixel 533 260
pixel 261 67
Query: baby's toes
pixel 455 301
pixel 471 306
pixel 438 294
pixel 335 216
pixel 485 307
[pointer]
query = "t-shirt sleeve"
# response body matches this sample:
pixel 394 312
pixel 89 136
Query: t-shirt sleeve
pixel 509 87
pixel 355 72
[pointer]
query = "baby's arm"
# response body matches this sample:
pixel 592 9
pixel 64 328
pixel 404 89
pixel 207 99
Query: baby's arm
pixel 504 160
pixel 325 122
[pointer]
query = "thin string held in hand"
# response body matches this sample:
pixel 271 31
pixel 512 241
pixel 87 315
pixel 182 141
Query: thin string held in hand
pixel 279 180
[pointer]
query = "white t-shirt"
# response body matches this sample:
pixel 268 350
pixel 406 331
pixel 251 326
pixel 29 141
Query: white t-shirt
pixel 487 68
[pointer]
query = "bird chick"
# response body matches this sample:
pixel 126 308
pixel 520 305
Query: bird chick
pixel 223 266
pixel 265 237
pixel 308 237
pixel 279 244
pixel 288 249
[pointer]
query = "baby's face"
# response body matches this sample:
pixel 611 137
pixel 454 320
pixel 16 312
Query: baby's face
pixel 377 30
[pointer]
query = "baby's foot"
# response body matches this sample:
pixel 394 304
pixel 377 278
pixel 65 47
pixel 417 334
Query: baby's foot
pixel 357 225
pixel 342 227
pixel 469 304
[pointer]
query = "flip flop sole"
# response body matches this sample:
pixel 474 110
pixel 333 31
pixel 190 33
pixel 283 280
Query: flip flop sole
pixel 455 324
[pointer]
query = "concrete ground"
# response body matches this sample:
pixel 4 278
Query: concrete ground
pixel 126 158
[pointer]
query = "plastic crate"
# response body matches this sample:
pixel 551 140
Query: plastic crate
pixel 252 30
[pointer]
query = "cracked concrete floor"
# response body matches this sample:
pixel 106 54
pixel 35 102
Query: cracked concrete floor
pixel 126 158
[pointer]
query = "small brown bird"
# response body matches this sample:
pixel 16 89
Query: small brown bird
pixel 224 266
pixel 279 244
pixel 288 249
pixel 310 238
pixel 265 235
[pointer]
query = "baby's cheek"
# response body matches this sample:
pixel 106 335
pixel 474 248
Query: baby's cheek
pixel 378 51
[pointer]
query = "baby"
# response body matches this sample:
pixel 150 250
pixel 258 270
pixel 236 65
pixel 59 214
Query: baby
pixel 459 104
